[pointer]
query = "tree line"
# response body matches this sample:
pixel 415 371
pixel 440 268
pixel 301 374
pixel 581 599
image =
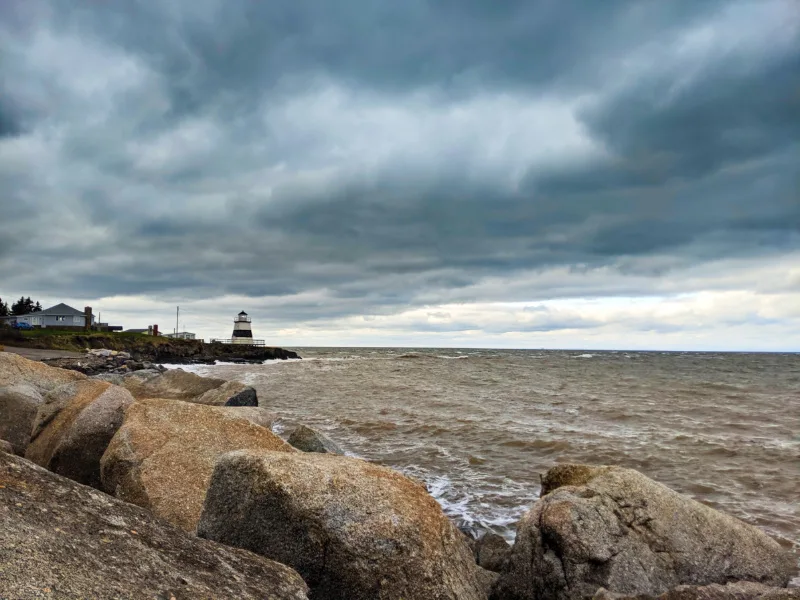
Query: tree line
pixel 23 306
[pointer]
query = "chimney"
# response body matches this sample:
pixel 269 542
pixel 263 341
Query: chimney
pixel 155 330
pixel 87 314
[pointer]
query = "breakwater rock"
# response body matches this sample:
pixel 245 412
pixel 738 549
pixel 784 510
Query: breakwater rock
pixel 353 530
pixel 65 540
pixel 614 528
pixel 164 454
pixel 73 427
pixel 23 384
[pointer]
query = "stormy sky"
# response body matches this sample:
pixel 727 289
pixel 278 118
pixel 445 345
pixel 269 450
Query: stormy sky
pixel 538 173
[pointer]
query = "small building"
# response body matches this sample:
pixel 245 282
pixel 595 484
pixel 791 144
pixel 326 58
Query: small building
pixel 181 335
pixel 151 330
pixel 59 316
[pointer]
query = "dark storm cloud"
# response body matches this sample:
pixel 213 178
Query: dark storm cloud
pixel 9 122
pixel 380 155
pixel 212 46
pixel 731 115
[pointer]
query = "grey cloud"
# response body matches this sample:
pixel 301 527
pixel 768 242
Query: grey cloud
pixel 9 122
pixel 215 46
pixel 730 115
pixel 187 178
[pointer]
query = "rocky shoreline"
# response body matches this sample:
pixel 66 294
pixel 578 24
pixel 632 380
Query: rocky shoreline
pixel 119 479
pixel 146 348
pixel 103 360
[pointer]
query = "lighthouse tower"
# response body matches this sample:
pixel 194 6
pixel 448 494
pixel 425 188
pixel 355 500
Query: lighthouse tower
pixel 242 333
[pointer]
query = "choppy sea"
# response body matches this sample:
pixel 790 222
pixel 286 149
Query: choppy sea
pixel 481 426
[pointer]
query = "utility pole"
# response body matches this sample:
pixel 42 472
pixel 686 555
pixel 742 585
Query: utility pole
pixel 177 312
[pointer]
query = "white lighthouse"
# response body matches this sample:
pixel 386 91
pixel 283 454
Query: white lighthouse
pixel 242 332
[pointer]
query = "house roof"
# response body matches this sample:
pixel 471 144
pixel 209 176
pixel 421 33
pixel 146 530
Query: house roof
pixel 60 310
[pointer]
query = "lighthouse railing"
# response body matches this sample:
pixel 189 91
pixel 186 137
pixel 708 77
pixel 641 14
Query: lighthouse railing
pixel 239 341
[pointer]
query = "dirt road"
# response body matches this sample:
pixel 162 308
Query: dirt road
pixel 37 354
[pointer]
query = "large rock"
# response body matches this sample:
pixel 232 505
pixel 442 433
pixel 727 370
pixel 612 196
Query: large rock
pixel 615 528
pixel 490 551
pixel 18 407
pixel 6 447
pixel 308 439
pixel 740 590
pixel 178 384
pixel 230 393
pixel 22 384
pixel 74 426
pixel 163 455
pixel 352 529
pixel 64 540
pixel 15 370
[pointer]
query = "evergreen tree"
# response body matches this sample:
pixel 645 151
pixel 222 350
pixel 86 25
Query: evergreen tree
pixel 18 308
pixel 25 306
pixel 3 308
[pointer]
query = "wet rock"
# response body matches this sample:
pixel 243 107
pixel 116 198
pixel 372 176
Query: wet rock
pixel 230 393
pixel 354 530
pixel 65 540
pixel 308 439
pixel 465 526
pixel 615 528
pixel 469 533
pixel 6 447
pixel 15 370
pixel 18 407
pixel 740 590
pixel 163 455
pixel 490 551
pixel 74 426
pixel 94 364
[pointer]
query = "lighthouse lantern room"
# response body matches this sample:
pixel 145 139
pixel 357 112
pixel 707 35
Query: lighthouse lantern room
pixel 242 331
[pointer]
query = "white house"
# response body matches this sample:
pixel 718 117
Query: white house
pixel 181 335
pixel 58 316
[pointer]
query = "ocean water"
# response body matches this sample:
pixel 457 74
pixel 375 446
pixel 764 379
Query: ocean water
pixel 481 426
